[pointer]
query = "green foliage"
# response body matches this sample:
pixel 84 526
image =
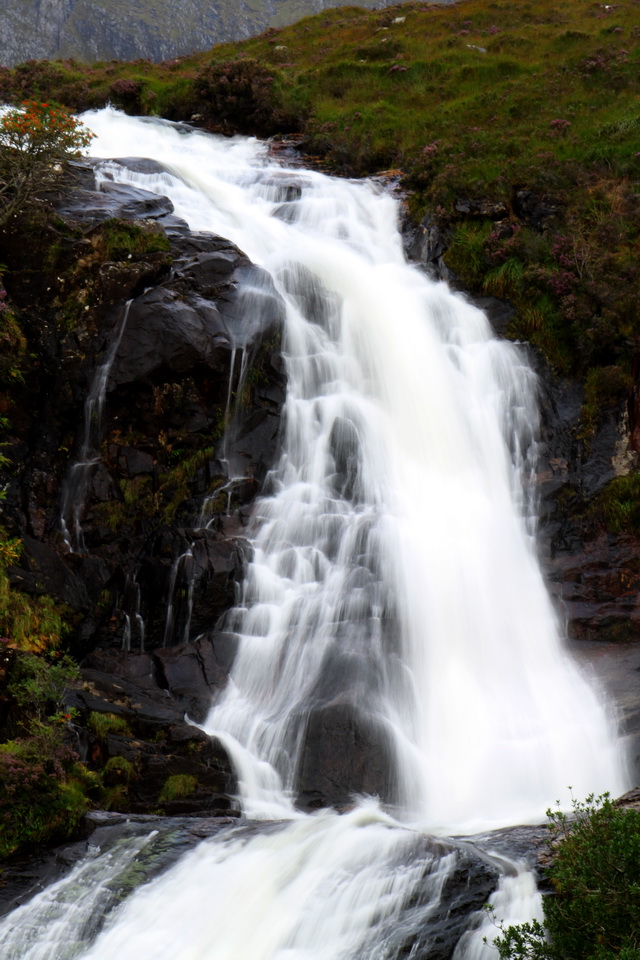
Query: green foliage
pixel 34 141
pixel 118 770
pixel 44 791
pixel 102 724
pixel 13 344
pixel 177 787
pixel 38 685
pixel 466 255
pixel 126 239
pixel 618 505
pixel 31 623
pixel 604 387
pixel 594 911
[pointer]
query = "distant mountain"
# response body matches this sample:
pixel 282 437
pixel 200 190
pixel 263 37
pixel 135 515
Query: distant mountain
pixel 131 29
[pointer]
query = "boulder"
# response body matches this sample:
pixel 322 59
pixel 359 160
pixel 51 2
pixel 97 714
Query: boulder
pixel 344 754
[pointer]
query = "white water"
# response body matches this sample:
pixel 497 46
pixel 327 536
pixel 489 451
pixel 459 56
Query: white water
pixel 394 570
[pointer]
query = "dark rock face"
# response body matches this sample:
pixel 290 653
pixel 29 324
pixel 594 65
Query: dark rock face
pixel 593 574
pixel 151 698
pixel 158 549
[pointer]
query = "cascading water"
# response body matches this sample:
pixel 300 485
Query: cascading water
pixel 394 573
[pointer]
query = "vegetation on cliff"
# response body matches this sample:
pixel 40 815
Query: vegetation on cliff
pixel 593 912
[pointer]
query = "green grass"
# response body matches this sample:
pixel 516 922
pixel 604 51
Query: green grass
pixel 477 99
pixel 178 787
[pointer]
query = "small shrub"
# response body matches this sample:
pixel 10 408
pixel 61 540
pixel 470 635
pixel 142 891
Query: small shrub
pixel 38 686
pixel 241 94
pixel 594 911
pixel 126 94
pixel 118 770
pixel 35 624
pixel 102 724
pixel 618 505
pixel 43 789
pixel 177 787
pixel 34 140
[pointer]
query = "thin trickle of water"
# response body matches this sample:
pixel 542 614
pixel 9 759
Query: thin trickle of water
pixel 394 571
pixel 181 571
pixel 126 633
pixel 76 485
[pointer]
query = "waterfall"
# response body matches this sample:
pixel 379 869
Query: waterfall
pixel 394 574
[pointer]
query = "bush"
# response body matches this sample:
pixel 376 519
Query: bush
pixel 34 140
pixel 241 95
pixel 39 687
pixel 177 787
pixel 43 788
pixel 102 724
pixel 594 910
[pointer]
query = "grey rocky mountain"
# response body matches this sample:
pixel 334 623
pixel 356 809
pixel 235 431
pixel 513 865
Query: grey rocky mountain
pixel 130 29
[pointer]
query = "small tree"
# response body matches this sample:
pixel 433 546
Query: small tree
pixel 34 140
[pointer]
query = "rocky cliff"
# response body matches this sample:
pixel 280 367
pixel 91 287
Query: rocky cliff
pixel 154 29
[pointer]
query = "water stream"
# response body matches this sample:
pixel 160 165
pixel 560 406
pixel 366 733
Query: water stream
pixel 395 572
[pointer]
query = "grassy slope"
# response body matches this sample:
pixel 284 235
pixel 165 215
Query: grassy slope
pixel 474 100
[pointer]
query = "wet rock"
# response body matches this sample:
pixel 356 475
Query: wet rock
pixel 195 572
pixel 617 668
pixel 134 462
pixel 499 312
pixel 344 754
pixel 194 672
pixel 105 830
pixel 150 694
pixel 470 879
pixel 426 245
pixel 91 206
pixel 43 570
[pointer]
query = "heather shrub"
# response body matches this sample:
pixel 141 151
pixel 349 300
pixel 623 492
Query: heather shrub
pixel 241 95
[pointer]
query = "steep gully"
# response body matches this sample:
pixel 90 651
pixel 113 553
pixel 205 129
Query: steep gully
pixel 392 600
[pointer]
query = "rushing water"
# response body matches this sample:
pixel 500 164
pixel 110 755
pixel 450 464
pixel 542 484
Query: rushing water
pixel 395 571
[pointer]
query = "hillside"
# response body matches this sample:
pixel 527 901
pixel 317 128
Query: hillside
pixel 157 29
pixel 523 114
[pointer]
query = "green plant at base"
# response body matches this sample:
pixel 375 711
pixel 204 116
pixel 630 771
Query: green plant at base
pixel 618 505
pixel 594 912
pixel 102 724
pixel 177 787
pixel 35 624
pixel 125 239
pixel 119 770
